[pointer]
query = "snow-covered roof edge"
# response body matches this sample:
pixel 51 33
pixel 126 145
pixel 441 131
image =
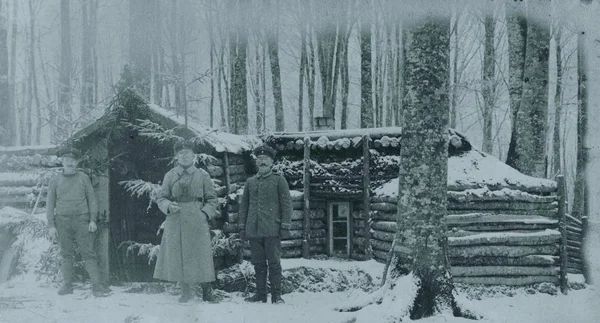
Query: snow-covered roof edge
pixel 221 141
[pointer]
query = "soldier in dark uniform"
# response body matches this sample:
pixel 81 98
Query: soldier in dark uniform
pixel 265 217
pixel 72 213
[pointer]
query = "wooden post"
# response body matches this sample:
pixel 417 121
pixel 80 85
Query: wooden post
pixel 306 196
pixel 227 175
pixel 366 193
pixel 562 216
pixel 584 264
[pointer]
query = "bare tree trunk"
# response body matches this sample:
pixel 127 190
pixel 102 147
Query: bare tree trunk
pixel 33 75
pixel 302 71
pixel 391 70
pixel 366 85
pixel 66 62
pixel 344 70
pixel 454 88
pixel 140 44
pixel 311 79
pixel 489 61
pixel 7 117
pixel 239 96
pixel 378 78
pixel 212 72
pixel 220 74
pixel 580 185
pixel 328 52
pixel 517 43
pixel 398 82
pixel 158 54
pixel 87 52
pixel 19 130
pixel 556 155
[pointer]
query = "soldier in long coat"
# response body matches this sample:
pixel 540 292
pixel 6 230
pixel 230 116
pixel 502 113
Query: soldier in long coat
pixel 189 200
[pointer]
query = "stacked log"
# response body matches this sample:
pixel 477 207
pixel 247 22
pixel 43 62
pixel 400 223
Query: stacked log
pixel 493 238
pixel 24 172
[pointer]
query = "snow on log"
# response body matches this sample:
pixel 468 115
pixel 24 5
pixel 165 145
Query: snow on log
pixel 506 280
pixel 460 271
pixel 232 217
pixel 502 205
pixel 531 260
pixel 574 229
pixel 484 194
pixel 231 227
pixel 382 206
pixel 18 179
pixel 297 195
pixel 297 234
pixel 215 171
pixel 575 222
pixel 545 213
pixel 507 238
pixel 298 242
pixel 384 236
pixel 383 215
pixel 502 251
pixel 314 224
pixel 384 199
pixel 237 169
pixel 387 226
pixel 485 218
pixel 314 214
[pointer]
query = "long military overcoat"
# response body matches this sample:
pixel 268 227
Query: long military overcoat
pixel 185 249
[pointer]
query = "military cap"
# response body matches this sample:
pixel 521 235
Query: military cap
pixel 265 150
pixel 69 152
pixel 181 145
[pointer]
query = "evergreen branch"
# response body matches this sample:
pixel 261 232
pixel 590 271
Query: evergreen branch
pixel 140 187
pixel 152 130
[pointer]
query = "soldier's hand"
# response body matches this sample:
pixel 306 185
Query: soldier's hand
pixel 174 207
pixel 92 227
pixel 52 233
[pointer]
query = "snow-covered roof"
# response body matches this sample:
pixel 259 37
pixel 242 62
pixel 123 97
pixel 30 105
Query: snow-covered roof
pixel 38 148
pixel 474 169
pixel 219 140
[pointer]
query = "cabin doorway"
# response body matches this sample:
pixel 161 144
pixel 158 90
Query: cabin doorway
pixel 338 220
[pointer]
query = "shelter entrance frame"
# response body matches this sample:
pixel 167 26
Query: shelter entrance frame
pixel 339 231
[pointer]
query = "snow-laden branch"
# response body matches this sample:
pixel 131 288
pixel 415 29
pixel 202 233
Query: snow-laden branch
pixel 140 187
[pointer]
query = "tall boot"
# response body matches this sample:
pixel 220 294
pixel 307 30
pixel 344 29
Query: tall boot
pixel 261 285
pixel 207 294
pixel 67 271
pixel 186 293
pixel 275 280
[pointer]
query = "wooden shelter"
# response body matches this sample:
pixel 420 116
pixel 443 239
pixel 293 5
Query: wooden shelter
pixel 133 141
pixel 504 227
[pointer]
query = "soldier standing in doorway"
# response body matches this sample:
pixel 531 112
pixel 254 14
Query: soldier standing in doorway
pixel 265 218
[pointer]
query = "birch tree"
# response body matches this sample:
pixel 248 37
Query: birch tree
pixel 366 83
pixel 238 44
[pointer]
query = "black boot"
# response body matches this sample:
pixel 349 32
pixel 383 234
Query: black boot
pixel 275 280
pixel 65 289
pixel 256 298
pixel 261 285
pixel 186 293
pixel 276 299
pixel 207 294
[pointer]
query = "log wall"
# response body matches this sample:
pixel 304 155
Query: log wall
pixel 511 239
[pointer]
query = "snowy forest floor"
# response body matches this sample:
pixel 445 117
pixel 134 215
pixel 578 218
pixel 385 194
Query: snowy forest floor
pixel 23 299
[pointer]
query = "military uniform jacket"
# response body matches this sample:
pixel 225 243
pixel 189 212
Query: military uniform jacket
pixel 266 206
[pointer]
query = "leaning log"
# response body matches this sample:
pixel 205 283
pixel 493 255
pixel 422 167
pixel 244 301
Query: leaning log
pixel 506 280
pixel 532 260
pixel 502 251
pixel 460 271
pixel 507 239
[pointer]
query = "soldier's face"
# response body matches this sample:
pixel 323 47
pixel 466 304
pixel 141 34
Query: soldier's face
pixel 264 163
pixel 69 165
pixel 185 157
